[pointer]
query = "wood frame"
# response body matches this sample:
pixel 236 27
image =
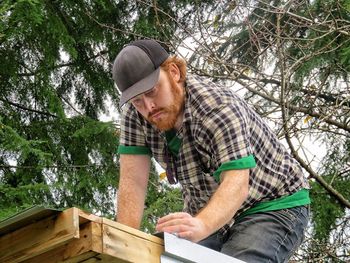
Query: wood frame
pixel 76 236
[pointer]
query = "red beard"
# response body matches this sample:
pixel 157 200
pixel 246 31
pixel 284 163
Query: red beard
pixel 168 120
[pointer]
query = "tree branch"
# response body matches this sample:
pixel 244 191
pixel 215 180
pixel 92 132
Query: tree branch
pixel 101 53
pixel 27 109
pixel 237 77
pixel 318 178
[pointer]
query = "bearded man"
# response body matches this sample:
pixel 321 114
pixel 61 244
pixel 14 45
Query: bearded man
pixel 244 194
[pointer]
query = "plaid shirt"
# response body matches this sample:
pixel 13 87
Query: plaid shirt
pixel 218 127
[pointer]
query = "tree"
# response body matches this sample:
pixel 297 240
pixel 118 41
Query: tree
pixel 55 79
pixel 290 59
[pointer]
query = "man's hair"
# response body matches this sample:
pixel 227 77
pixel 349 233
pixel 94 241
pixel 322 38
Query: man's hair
pixel 181 63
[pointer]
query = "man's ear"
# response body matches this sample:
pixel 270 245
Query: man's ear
pixel 175 72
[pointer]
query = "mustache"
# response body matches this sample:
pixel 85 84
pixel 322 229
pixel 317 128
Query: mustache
pixel 151 114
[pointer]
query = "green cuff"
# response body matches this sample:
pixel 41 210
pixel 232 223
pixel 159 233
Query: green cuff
pixel 240 164
pixel 122 149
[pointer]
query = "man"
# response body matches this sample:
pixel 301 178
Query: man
pixel 244 195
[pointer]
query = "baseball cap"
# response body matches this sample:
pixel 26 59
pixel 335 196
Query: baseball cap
pixel 136 68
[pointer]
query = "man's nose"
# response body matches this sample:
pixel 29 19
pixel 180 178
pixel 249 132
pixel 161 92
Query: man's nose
pixel 149 104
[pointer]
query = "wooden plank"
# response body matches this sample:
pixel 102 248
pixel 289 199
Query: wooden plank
pixel 85 257
pixel 74 251
pixel 110 259
pixel 130 246
pixel 101 258
pixel 56 239
pixel 55 257
pixel 39 237
pixel 85 217
pixel 26 217
pixel 100 246
pixel 133 231
pixel 97 237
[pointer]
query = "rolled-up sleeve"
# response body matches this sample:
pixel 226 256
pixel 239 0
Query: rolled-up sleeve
pixel 132 137
pixel 227 136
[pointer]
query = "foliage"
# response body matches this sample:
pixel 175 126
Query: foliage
pixel 326 209
pixel 55 76
pixel 161 200
pixel 330 218
pixel 82 170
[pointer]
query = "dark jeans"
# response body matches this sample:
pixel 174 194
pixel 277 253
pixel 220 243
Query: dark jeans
pixel 263 237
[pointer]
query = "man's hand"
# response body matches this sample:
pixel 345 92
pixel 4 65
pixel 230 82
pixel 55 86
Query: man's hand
pixel 222 206
pixel 183 225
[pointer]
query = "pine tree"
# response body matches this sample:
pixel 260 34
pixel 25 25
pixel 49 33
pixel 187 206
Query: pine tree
pixel 55 76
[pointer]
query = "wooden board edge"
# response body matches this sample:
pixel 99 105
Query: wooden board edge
pixel 133 231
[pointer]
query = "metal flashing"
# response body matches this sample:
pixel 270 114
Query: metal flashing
pixel 182 250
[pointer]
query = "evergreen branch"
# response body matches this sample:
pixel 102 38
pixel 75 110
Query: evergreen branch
pixel 33 73
pixel 68 64
pixel 70 105
pixel 27 109
pixel 182 27
pixel 113 28
pixel 308 22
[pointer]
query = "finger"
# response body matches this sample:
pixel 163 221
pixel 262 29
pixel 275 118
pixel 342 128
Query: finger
pixel 170 223
pixel 176 229
pixel 186 221
pixel 173 216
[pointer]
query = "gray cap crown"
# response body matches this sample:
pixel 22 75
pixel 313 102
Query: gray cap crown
pixel 136 68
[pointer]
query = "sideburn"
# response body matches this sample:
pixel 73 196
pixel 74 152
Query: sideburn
pixel 173 110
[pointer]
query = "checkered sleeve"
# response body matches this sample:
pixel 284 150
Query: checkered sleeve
pixel 132 137
pixel 228 140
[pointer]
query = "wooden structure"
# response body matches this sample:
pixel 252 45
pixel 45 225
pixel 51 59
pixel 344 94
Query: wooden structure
pixel 42 235
pixel 75 236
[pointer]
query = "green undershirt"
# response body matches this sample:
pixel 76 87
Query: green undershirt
pixel 174 142
pixel 299 198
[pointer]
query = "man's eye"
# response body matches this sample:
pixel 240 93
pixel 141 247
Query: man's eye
pixel 136 101
pixel 152 92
